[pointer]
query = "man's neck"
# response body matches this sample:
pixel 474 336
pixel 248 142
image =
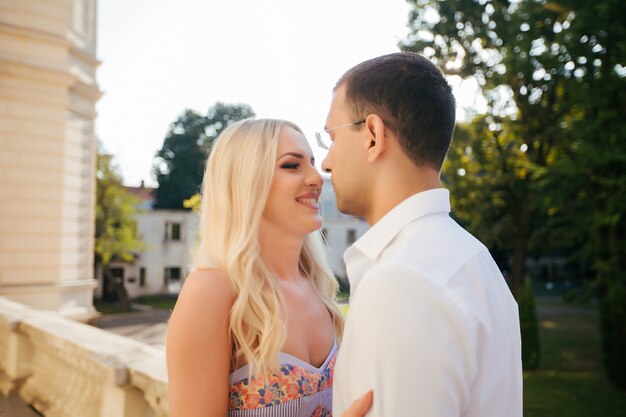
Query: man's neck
pixel 396 188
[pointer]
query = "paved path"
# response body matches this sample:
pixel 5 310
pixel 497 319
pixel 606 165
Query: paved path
pixel 147 326
pixel 13 406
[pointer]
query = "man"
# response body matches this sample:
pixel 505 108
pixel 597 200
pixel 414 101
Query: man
pixel 432 328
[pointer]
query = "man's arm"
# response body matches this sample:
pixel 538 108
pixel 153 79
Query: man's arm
pixel 414 345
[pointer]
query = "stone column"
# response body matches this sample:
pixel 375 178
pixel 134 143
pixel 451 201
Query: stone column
pixel 48 93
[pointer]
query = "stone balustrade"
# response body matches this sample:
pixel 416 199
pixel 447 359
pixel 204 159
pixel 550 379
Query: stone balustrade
pixel 69 369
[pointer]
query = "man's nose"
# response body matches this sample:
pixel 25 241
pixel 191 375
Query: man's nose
pixel 326 165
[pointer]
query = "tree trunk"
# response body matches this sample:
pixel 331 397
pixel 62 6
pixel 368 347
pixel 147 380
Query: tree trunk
pixel 116 285
pixel 520 246
pixel 122 294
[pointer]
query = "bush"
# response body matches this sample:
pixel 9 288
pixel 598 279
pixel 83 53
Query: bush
pixel 529 327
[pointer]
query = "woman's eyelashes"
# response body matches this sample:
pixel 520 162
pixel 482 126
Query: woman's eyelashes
pixel 290 165
pixel 295 165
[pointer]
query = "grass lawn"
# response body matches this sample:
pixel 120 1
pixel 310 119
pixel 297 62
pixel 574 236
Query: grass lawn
pixel 570 380
pixel 107 308
pixel 164 302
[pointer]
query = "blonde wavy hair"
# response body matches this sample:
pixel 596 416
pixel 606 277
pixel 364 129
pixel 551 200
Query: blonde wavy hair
pixel 237 182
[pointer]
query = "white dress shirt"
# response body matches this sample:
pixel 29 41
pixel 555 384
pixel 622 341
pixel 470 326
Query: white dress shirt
pixel 432 327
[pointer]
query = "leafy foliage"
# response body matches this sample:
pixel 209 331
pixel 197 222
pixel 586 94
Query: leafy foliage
pixel 516 55
pixel 194 203
pixel 554 75
pixel 116 226
pixel 180 162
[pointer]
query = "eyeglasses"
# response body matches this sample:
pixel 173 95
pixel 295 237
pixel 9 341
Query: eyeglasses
pixel 323 138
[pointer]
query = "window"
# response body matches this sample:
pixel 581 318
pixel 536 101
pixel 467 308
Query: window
pixel 172 231
pixel 351 236
pixel 171 274
pixel 142 277
pixel 175 274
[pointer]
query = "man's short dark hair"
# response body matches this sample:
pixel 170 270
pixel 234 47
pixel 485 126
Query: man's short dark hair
pixel 410 94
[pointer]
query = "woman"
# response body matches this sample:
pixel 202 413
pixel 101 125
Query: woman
pixel 255 329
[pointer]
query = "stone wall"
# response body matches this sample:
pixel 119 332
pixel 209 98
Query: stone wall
pixel 69 369
pixel 48 94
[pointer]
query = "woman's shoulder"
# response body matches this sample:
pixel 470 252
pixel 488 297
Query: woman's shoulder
pixel 213 282
pixel 206 291
pixel 209 278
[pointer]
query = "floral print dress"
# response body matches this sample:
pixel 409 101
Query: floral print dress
pixel 298 390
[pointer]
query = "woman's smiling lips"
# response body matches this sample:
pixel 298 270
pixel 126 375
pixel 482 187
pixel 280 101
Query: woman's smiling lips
pixel 310 200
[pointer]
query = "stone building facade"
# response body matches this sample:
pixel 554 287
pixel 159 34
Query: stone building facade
pixel 48 94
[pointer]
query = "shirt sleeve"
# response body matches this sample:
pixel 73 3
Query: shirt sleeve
pixel 414 346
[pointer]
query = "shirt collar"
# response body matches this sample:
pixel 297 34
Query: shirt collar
pixel 376 239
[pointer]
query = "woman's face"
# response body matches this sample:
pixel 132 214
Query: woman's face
pixel 292 205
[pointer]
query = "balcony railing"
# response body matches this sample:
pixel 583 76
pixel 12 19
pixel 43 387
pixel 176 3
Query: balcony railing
pixel 69 369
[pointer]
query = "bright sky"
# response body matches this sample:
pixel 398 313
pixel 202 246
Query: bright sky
pixel 282 57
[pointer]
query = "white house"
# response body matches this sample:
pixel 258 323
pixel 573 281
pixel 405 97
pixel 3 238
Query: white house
pixel 339 229
pixel 169 237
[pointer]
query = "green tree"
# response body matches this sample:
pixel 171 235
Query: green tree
pixel 180 162
pixel 553 73
pixel 513 50
pixel 485 171
pixel 116 226
pixel 590 180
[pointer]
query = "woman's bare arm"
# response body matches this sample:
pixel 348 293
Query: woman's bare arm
pixel 198 347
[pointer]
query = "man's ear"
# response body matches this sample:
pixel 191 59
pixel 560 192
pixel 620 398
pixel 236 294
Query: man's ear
pixel 378 138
